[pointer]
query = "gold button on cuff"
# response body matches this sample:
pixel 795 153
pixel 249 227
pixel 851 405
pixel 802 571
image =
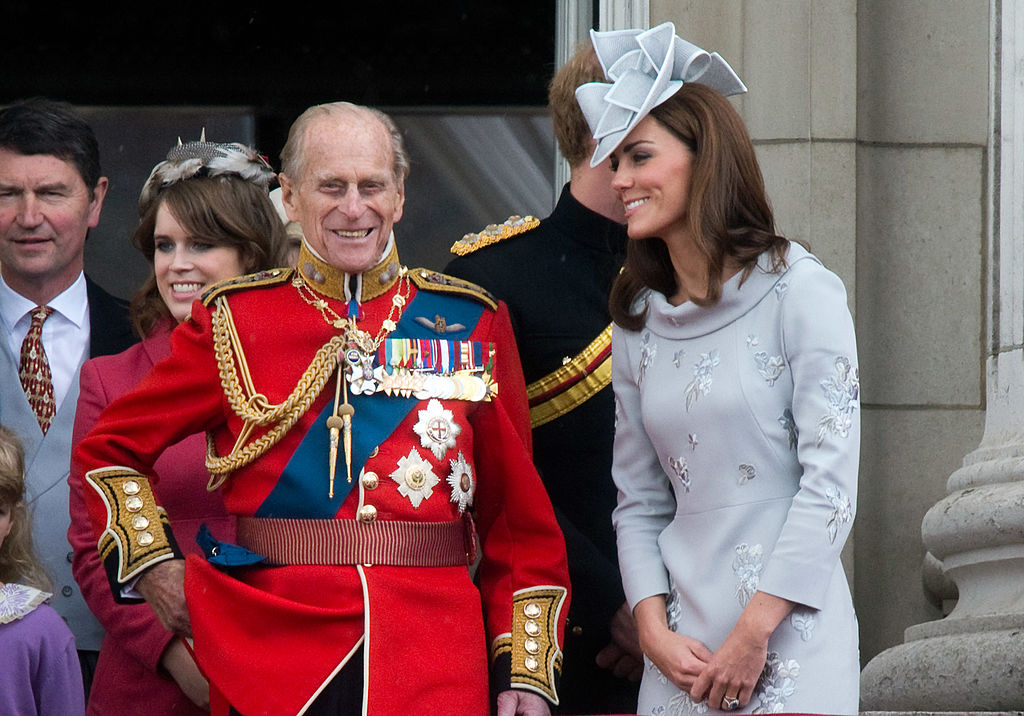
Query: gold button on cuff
pixel 532 610
pixel 136 533
pixel 532 628
pixel 369 480
pixel 532 646
pixel 532 663
pixel 367 514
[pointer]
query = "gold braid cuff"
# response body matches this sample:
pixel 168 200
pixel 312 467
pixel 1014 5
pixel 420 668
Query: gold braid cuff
pixel 136 526
pixel 565 389
pixel 252 407
pixel 533 643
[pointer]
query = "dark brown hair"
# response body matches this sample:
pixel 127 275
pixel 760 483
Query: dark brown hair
pixel 223 210
pixel 18 560
pixel 728 212
pixel 571 129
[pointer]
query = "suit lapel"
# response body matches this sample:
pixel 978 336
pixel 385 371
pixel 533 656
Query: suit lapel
pixel 110 329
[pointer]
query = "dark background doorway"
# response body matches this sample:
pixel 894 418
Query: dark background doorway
pixel 466 81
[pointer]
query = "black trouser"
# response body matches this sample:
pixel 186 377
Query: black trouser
pixel 88 661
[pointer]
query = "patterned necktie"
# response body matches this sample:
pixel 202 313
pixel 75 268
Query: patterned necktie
pixel 35 370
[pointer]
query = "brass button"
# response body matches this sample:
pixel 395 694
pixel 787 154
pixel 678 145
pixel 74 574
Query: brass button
pixel 532 628
pixel 131 487
pixel 532 663
pixel 140 522
pixel 532 646
pixel 145 539
pixel 577 630
pixel 369 480
pixel 367 514
pixel 532 610
pixel 133 503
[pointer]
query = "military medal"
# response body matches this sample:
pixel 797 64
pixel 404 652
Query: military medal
pixel 415 478
pixel 462 482
pixel 436 368
pixel 355 364
pixel 437 428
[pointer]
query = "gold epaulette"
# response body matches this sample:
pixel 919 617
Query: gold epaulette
pixel 260 279
pixel 493 233
pixel 536 656
pixel 427 280
pixel 137 527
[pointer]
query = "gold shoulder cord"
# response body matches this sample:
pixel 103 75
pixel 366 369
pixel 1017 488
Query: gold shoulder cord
pixel 252 407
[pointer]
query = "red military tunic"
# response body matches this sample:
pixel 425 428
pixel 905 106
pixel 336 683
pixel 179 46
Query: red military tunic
pixel 271 637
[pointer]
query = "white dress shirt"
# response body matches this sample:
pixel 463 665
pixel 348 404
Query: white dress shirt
pixel 65 332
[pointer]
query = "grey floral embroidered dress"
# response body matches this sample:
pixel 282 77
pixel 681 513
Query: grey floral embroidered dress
pixel 764 499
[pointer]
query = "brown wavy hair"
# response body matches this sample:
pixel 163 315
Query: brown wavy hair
pixel 728 211
pixel 223 210
pixel 18 560
pixel 572 133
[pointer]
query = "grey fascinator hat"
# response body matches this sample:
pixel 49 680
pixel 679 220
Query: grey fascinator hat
pixel 645 67
pixel 203 158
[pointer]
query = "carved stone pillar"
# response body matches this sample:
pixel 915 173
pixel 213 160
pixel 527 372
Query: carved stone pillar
pixel 973 660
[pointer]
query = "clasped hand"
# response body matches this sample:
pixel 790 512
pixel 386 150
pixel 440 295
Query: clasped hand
pixel 731 671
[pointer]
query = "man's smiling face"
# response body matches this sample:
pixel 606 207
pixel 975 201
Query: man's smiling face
pixel 347 197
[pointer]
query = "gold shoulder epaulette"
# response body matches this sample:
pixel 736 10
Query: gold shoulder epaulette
pixel 270 277
pixel 428 280
pixel 494 233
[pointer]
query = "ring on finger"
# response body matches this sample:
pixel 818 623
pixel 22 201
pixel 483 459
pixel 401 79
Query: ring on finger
pixel 730 704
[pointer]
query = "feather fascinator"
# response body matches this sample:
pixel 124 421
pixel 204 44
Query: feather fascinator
pixel 203 158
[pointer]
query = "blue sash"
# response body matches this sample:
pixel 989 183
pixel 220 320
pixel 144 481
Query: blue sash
pixel 302 489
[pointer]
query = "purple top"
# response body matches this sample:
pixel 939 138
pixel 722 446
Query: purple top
pixel 40 673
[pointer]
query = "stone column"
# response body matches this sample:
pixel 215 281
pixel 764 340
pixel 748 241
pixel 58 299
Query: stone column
pixel 973 659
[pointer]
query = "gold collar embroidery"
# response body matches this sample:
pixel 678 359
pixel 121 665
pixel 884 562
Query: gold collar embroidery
pixel 331 282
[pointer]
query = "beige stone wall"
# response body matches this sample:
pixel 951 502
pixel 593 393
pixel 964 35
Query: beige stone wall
pixel 871 121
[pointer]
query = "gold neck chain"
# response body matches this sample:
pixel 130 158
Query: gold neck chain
pixel 360 368
pixel 360 337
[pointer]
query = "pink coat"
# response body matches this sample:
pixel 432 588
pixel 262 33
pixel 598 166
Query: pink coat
pixel 128 677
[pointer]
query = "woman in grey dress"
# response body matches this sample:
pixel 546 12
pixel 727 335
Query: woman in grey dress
pixel 736 383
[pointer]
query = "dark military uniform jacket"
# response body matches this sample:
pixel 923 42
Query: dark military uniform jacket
pixel 555 277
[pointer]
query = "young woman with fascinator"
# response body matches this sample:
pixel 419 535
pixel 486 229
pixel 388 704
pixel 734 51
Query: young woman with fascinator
pixel 205 216
pixel 736 383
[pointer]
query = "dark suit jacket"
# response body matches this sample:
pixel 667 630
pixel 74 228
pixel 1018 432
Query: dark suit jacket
pixel 556 279
pixel 109 325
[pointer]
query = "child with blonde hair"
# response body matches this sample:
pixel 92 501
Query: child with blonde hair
pixel 39 672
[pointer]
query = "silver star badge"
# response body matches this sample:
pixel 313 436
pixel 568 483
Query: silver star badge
pixel 462 482
pixel 437 428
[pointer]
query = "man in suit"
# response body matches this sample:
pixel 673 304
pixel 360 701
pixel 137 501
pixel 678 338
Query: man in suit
pixel 558 302
pixel 51 194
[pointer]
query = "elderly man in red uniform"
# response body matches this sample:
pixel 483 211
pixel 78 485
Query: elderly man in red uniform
pixel 368 425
